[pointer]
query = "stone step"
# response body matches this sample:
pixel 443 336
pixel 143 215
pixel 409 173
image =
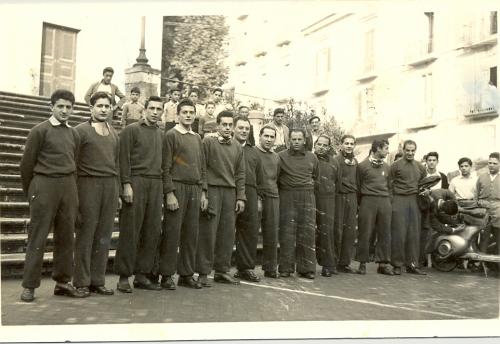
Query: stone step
pixel 19 225
pixel 31 111
pixel 11 148
pixel 13 138
pixel 28 121
pixel 9 168
pixel 14 209
pixel 10 180
pixel 12 195
pixel 16 242
pixel 39 101
pixel 14 131
pixel 10 157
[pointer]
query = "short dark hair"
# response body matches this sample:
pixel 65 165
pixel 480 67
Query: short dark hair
pixel 462 160
pixel 347 136
pixel 376 144
pixel 135 89
pixel 314 117
pixel 225 113
pixel 194 90
pixel 297 130
pixel 434 154
pixel 278 110
pixel 242 106
pixel 209 102
pixel 217 89
pixel 99 95
pixel 241 118
pixel 153 99
pixel 267 127
pixel 449 207
pixel 174 89
pixel 494 155
pixel 108 70
pixel 185 102
pixel 62 94
pixel 324 136
pixel 409 142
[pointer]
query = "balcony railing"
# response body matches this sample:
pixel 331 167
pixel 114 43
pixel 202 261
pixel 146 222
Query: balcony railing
pixel 478 34
pixel 420 52
pixel 483 104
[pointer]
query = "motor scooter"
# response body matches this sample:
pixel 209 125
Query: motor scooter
pixel 461 243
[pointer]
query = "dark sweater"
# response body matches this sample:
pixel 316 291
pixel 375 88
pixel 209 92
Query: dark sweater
pixel 253 166
pixel 373 181
pixel 270 170
pixel 404 177
pixel 298 170
pixel 140 151
pixel 98 155
pixel 225 165
pixel 347 175
pixel 184 160
pixel 325 184
pixel 50 151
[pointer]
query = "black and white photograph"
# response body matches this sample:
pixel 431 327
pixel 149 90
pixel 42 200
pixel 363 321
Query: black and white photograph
pixel 216 170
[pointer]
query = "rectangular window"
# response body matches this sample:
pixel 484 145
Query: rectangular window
pixel 430 37
pixel 493 76
pixel 493 22
pixel 428 98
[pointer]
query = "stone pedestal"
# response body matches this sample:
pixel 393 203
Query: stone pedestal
pixel 145 77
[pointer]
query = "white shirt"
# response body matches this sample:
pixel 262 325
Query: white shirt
pixel 438 185
pixel 493 176
pixel 280 136
pixel 104 88
pixel 55 122
pixel 183 130
pixel 464 187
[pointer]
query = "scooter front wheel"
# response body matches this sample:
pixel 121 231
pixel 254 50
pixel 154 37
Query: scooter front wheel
pixel 444 265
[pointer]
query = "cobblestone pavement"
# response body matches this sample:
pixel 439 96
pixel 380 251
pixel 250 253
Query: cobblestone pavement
pixel 446 296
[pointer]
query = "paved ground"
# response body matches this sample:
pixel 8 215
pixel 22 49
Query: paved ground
pixel 453 295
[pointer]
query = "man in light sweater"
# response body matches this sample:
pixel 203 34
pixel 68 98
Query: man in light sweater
pixel 48 169
pixel 98 190
pixel 225 167
pixel 185 189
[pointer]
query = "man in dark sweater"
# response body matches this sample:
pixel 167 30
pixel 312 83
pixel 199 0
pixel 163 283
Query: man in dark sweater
pixel 141 154
pixel 346 203
pixel 185 189
pixel 247 223
pixel 375 208
pixel 98 190
pixel 404 176
pixel 48 169
pixel 324 191
pixel 298 172
pixel 270 200
pixel 226 198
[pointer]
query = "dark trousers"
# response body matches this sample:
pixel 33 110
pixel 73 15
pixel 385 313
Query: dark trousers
pixel 405 230
pixel 325 212
pixel 425 235
pixel 374 216
pixel 346 206
pixel 247 231
pixel 52 201
pixel 269 224
pixel 140 228
pixel 180 232
pixel 98 198
pixel 216 236
pixel 297 231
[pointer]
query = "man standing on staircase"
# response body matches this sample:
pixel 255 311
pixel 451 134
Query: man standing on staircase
pixel 48 171
pixel 98 189
pixel 105 85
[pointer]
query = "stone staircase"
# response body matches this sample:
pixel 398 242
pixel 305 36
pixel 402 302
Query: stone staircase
pixel 18 114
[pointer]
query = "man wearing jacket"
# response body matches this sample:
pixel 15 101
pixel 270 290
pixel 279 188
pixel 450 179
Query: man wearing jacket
pixel 105 85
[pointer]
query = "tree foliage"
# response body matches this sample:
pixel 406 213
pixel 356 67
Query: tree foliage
pixel 193 52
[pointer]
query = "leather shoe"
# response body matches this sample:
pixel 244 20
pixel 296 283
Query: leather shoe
pixel 361 269
pixel 66 289
pixel 83 290
pixel 414 270
pixel 124 286
pixel 167 282
pixel 271 274
pixel 284 274
pixel 220 277
pixel 102 290
pixel 247 275
pixel 189 281
pixel 308 275
pixel 325 272
pixel 28 294
pixel 385 270
pixel 397 270
pixel 141 282
pixel 346 269
pixel 203 280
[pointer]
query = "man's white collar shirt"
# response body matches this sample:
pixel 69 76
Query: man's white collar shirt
pixel 56 123
pixel 183 130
